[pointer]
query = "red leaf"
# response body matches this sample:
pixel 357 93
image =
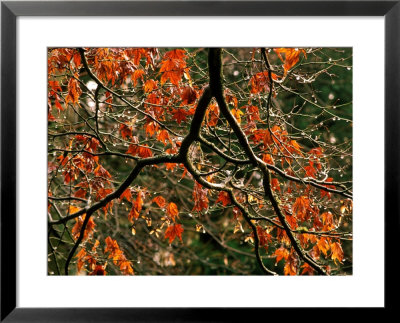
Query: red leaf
pixel 126 132
pixel 179 115
pixel 275 184
pixel 200 197
pixel 151 128
pixel 80 193
pixel 55 86
pixel 263 237
pixel 145 152
pixel 102 172
pixel 188 95
pixel 302 208
pixel 134 149
pixel 310 170
pixel 58 105
pixel 307 269
pixel 252 113
pixel 212 115
pixel 224 198
pixel 98 271
pixel 77 59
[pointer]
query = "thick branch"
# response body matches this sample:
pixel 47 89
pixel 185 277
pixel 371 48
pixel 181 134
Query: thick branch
pixel 215 66
pixel 179 158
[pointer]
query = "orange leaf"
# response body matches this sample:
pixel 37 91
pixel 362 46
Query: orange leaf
pixel 173 66
pixel 118 256
pixel 133 214
pixel 136 75
pixel 230 98
pixel 160 201
pixel 237 114
pixel 172 211
pixel 173 231
pixel 323 245
pixel 149 86
pixel 267 158
pixel 126 267
pixel 337 252
pixel 307 269
pixel 212 115
pixel 76 230
pixel 262 134
pixel 291 57
pixel 327 220
pixel 73 209
pixel 281 253
pixel 81 255
pixel 151 128
pixel 74 91
pixel 163 136
pixel 259 82
pixel 136 207
pixel 294 147
pixel 77 59
pixel 290 266
pixel 127 194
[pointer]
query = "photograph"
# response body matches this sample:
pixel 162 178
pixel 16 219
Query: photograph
pixel 200 161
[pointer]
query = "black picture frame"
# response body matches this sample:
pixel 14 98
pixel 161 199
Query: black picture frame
pixel 10 10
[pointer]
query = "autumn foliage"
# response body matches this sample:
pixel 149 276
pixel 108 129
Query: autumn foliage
pixel 199 161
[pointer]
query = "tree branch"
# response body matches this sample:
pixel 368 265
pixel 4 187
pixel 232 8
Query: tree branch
pixel 215 66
